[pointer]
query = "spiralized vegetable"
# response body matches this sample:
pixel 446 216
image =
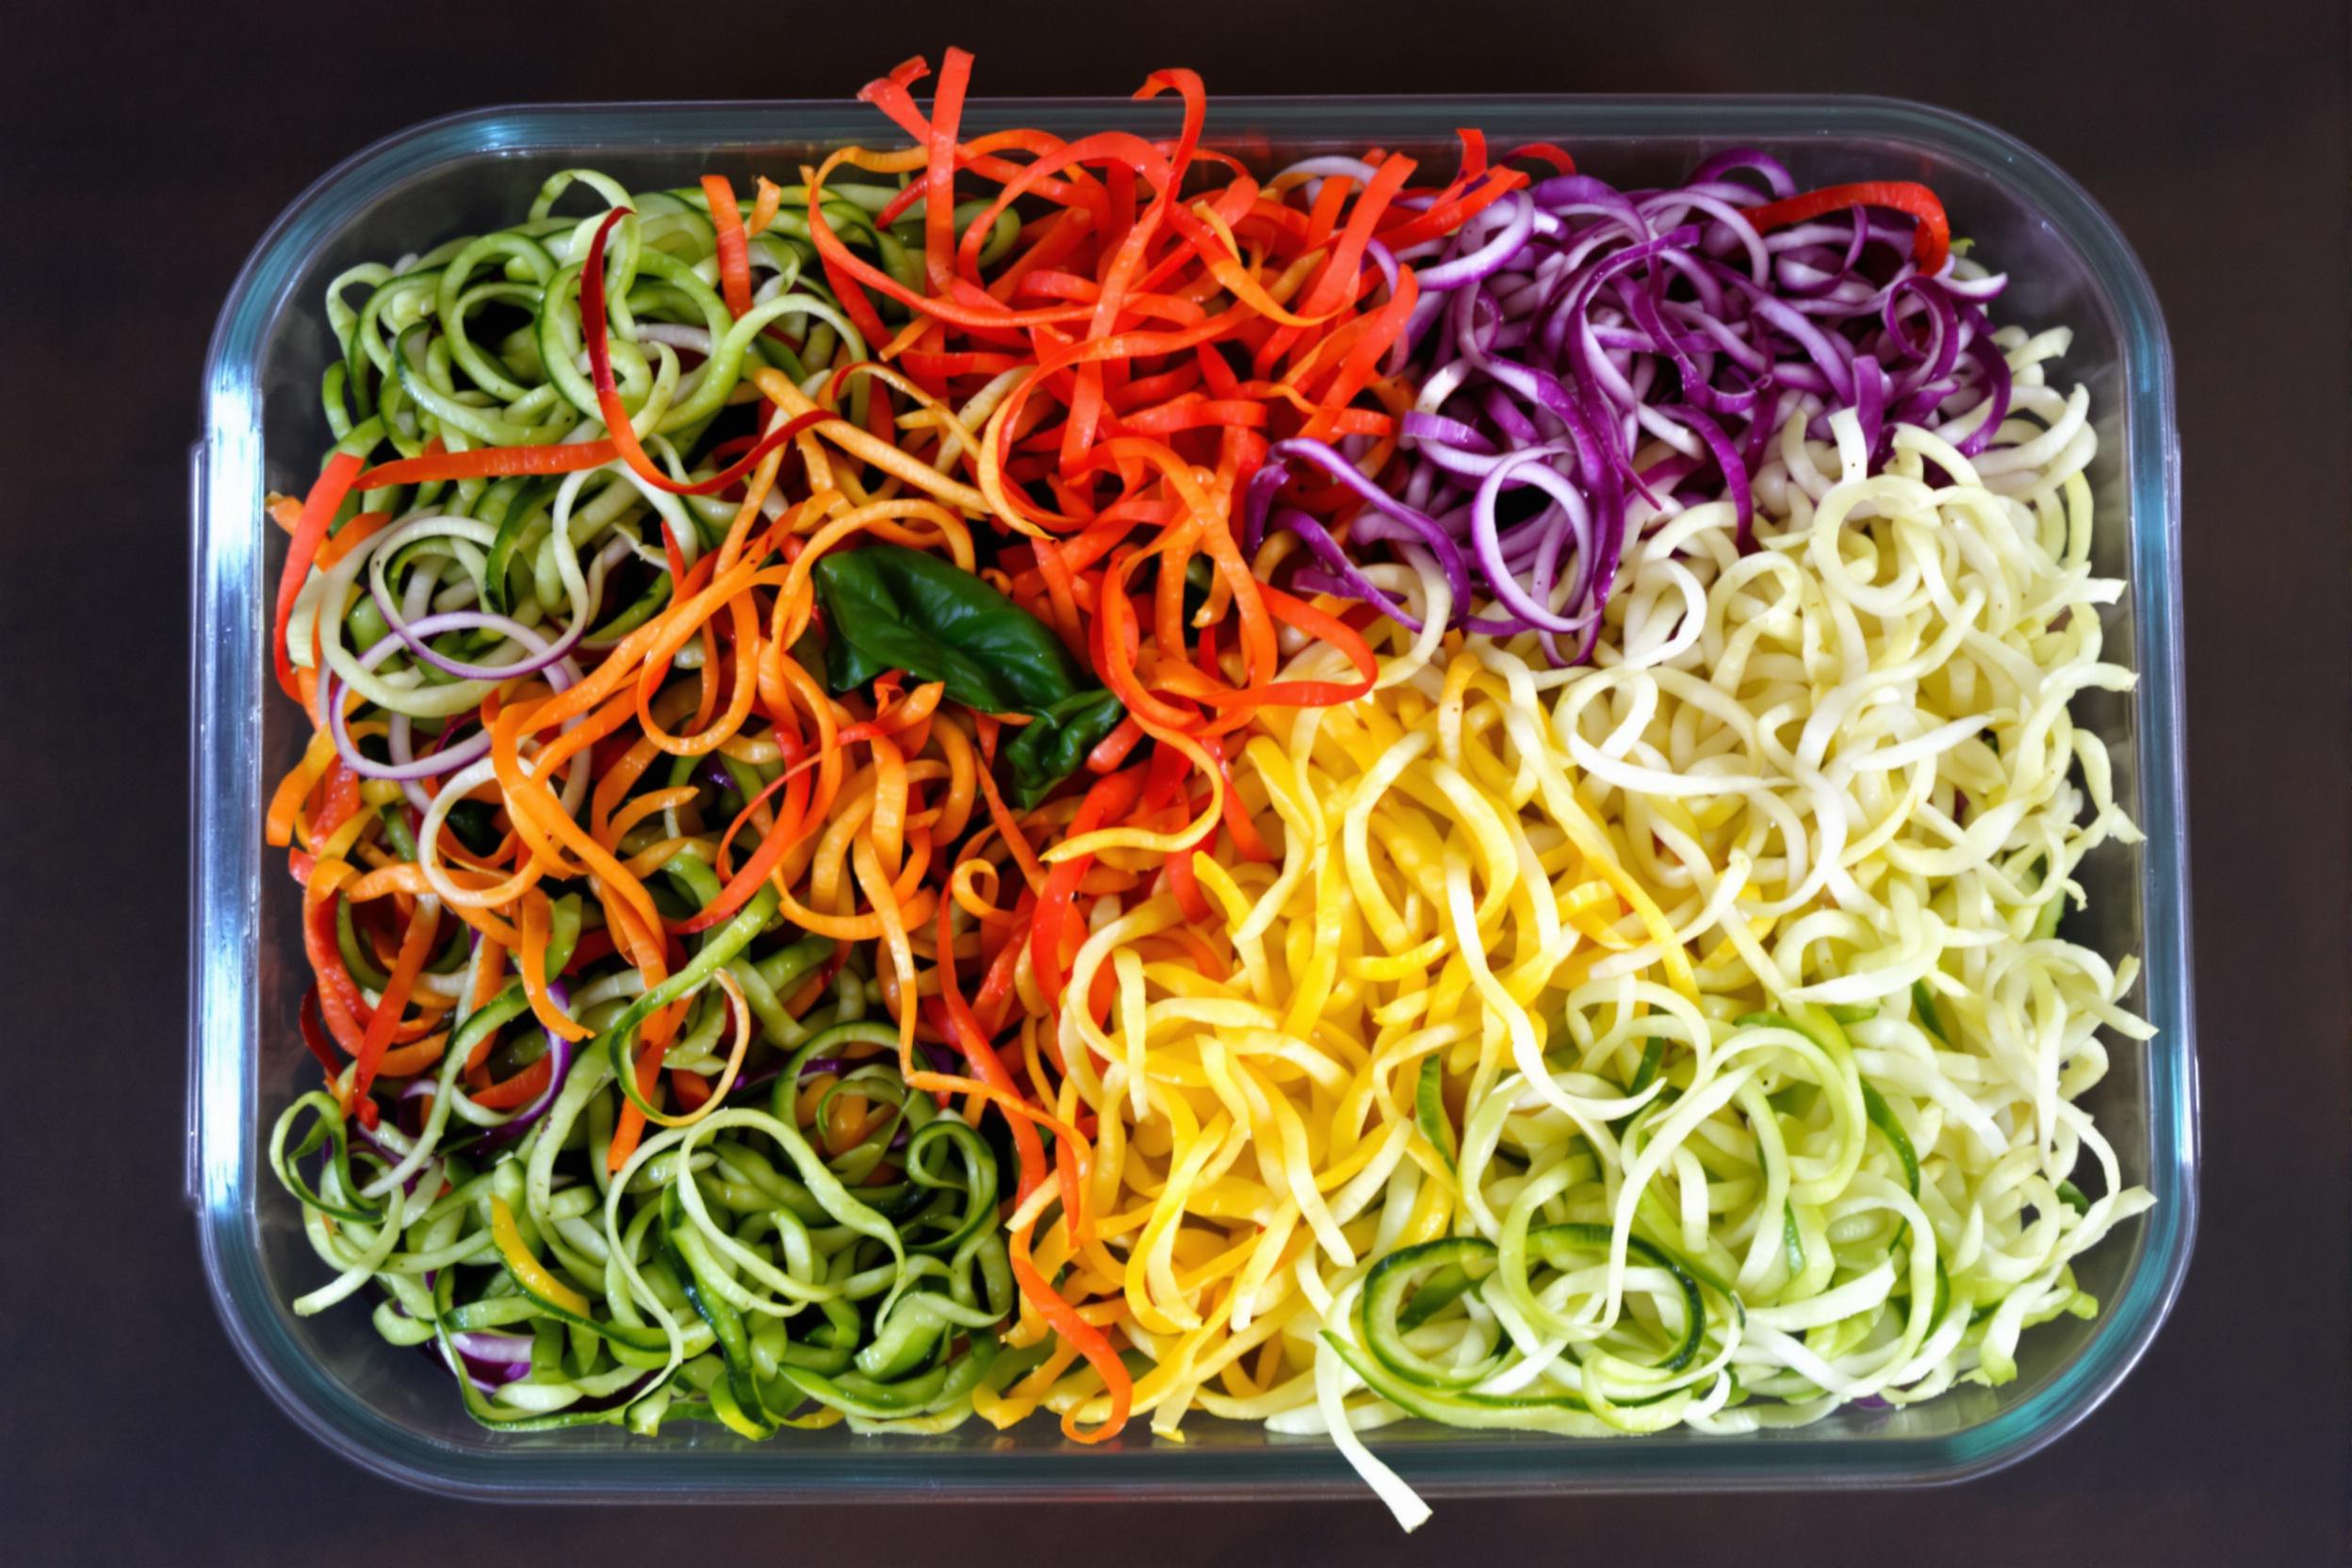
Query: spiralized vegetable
pixel 559 712
pixel 558 664
pixel 1752 1058
pixel 1164 317
pixel 789 683
pixel 834 1251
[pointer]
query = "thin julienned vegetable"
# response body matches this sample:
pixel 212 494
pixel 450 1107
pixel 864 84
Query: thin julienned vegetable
pixel 1762 1099
pixel 1572 328
pixel 1050 774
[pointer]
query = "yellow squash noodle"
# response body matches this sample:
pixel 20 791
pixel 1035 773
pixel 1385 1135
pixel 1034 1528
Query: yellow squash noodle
pixel 1755 1052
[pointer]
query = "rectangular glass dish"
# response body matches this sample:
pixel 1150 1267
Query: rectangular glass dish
pixel 394 1411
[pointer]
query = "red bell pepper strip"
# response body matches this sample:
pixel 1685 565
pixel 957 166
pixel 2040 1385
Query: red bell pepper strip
pixel 772 848
pixel 319 509
pixel 1110 797
pixel 734 251
pixel 939 207
pixel 624 436
pixel 313 1036
pixel 1931 242
pixel 556 457
pixel 1092 1344
pixel 416 947
pixel 1546 152
pixel 956 1022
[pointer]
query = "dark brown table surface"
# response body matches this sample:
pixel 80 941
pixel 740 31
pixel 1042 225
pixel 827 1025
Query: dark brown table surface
pixel 146 146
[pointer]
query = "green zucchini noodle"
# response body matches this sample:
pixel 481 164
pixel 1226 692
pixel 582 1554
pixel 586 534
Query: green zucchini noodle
pixel 1845 767
pixel 1687 1039
pixel 857 1279
pixel 537 549
pixel 832 1256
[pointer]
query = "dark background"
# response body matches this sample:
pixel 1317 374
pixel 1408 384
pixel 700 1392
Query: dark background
pixel 144 147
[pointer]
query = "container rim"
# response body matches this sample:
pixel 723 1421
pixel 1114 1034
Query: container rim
pixel 225 867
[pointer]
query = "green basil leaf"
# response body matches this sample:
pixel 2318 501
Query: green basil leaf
pixel 886 607
pixel 891 607
pixel 1054 745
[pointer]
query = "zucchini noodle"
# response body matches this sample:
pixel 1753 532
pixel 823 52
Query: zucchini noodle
pixel 1487 800
pixel 1682 1040
pixel 836 1251
pixel 805 1236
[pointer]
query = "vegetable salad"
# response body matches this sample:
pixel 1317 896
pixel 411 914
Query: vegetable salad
pixel 1076 776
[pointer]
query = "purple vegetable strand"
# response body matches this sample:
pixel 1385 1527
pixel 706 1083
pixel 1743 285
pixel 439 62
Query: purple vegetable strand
pixel 1569 326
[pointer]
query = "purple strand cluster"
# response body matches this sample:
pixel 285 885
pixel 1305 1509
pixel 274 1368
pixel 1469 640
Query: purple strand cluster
pixel 1570 325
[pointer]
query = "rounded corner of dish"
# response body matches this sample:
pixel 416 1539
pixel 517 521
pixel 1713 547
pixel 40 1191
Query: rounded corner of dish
pixel 349 1428
pixel 2062 197
pixel 2011 1437
pixel 327 200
